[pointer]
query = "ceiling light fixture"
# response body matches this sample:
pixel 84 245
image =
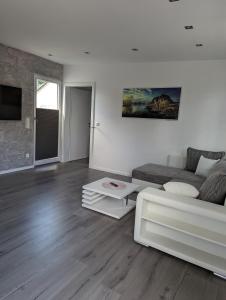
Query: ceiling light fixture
pixel 189 27
pixel 174 0
pixel 135 49
pixel 86 52
pixel 199 45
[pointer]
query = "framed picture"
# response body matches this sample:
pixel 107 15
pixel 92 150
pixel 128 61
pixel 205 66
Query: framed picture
pixel 155 103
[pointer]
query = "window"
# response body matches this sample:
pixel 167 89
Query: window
pixel 47 95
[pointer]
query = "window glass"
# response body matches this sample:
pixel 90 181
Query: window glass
pixel 47 94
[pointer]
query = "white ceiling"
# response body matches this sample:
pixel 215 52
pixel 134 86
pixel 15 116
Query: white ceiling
pixel 110 28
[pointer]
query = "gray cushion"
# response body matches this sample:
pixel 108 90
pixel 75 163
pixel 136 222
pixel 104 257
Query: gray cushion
pixel 214 189
pixel 161 174
pixel 219 167
pixel 193 157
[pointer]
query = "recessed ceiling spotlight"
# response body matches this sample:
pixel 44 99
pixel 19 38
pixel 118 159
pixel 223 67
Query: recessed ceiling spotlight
pixel 86 52
pixel 135 49
pixel 199 45
pixel 189 27
pixel 50 54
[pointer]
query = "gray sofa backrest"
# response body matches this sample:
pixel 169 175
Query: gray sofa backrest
pixel 193 157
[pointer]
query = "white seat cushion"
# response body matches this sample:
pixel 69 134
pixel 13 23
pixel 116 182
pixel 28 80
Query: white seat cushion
pixel 181 188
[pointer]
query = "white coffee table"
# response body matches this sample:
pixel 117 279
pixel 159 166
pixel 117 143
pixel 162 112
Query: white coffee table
pixel 108 199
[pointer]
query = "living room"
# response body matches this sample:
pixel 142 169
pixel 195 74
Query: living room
pixel 113 211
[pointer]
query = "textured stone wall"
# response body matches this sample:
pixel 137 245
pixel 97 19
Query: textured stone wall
pixel 17 68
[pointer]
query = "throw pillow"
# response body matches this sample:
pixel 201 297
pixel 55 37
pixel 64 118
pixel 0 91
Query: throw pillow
pixel 205 165
pixel 181 188
pixel 220 167
pixel 214 189
pixel 193 156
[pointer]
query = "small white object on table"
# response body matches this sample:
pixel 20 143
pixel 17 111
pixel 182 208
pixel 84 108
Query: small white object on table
pixel 109 196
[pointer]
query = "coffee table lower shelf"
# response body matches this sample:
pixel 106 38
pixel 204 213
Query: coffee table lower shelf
pixel 112 207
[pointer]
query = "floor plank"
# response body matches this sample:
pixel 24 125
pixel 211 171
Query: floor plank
pixel 53 249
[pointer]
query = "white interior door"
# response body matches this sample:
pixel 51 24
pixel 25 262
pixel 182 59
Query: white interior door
pixel 79 127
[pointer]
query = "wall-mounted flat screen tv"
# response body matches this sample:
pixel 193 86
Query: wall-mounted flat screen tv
pixel 10 103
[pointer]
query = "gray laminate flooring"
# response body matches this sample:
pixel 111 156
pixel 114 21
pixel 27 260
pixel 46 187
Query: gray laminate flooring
pixel 52 248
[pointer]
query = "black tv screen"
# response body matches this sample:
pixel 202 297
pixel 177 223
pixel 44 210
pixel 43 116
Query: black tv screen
pixel 10 103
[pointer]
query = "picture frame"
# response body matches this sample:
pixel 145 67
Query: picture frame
pixel 153 103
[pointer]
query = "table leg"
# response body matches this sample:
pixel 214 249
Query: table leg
pixel 125 201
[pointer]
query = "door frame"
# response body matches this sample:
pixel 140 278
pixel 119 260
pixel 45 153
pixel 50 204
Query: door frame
pixel 92 117
pixel 59 157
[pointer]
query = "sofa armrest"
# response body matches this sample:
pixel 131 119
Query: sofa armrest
pixel 188 228
pixel 184 203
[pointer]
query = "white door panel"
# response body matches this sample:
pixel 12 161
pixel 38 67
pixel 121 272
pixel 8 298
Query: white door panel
pixel 80 111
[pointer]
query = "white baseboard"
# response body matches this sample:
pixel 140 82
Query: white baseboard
pixel 76 158
pixel 47 161
pixel 79 157
pixel 220 276
pixel 16 169
pixel 110 170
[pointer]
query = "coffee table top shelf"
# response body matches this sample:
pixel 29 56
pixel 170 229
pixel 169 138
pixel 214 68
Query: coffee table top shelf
pixel 104 187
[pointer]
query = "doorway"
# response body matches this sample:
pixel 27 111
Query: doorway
pixel 47 120
pixel 78 121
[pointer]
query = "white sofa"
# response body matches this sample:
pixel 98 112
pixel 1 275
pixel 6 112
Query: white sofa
pixel 190 229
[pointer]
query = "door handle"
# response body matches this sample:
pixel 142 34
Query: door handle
pixel 91 126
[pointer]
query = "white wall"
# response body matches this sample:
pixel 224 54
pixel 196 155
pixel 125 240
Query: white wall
pixel 120 144
pixel 78 111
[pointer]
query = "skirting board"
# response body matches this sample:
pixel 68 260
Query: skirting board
pixel 47 161
pixel 63 160
pixel 16 170
pixel 80 157
pixel 220 276
pixel 110 171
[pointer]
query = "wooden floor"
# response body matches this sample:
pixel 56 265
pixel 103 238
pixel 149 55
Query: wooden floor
pixel 52 248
